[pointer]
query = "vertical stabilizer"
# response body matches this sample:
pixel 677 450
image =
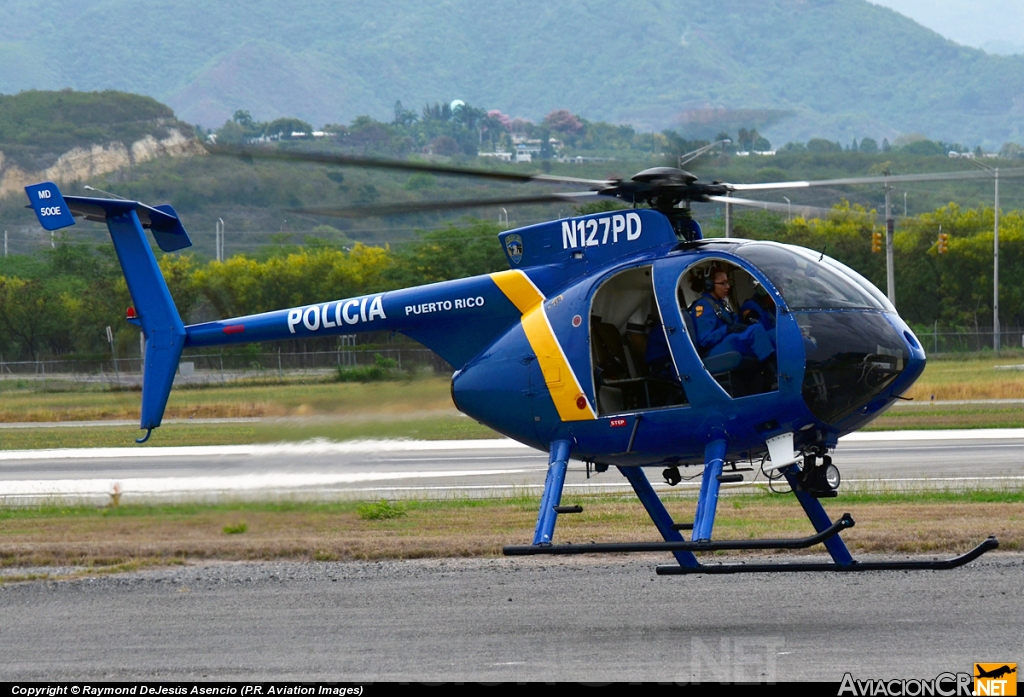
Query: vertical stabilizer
pixel 156 313
pixel 161 324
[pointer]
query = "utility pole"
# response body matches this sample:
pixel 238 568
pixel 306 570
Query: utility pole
pixel 220 239
pixel 890 271
pixel 995 273
pixel 996 337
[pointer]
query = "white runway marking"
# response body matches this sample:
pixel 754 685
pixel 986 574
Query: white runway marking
pixel 324 447
pixel 198 485
pixel 311 447
pixel 952 434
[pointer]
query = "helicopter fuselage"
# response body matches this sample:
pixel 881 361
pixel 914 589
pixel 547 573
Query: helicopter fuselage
pixel 524 342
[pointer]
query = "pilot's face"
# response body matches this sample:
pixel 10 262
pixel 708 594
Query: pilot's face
pixel 722 285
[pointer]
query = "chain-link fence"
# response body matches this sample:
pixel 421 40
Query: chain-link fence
pixel 214 368
pixel 938 341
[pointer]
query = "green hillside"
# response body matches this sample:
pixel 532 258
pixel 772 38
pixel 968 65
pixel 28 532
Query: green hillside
pixel 795 69
pixel 36 127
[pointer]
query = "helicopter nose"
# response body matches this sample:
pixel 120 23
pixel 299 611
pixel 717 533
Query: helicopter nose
pixel 916 358
pixel 858 362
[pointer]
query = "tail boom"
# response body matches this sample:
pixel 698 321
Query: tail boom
pixel 456 319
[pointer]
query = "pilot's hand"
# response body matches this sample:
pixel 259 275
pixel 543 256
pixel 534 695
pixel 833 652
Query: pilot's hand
pixel 751 316
pixel 736 328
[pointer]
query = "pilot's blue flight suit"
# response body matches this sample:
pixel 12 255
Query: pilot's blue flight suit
pixel 720 331
pixel 751 308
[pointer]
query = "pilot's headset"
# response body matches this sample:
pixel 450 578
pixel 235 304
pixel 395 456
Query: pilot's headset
pixel 709 277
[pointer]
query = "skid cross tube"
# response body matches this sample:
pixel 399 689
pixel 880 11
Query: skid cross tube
pixel 682 545
pixel 930 565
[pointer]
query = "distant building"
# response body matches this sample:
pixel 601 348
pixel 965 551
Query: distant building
pixel 528 148
pixel 499 155
pixel 580 159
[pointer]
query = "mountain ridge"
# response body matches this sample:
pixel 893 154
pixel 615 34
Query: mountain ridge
pixel 843 68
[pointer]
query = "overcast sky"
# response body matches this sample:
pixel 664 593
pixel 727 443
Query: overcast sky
pixel 980 23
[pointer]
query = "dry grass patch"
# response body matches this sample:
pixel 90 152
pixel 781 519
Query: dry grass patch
pixel 135 535
pixel 88 403
pixel 927 416
pixel 970 377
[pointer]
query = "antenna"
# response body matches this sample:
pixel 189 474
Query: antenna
pixel 101 191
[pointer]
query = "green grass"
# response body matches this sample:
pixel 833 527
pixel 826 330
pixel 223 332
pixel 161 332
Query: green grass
pixel 236 529
pixel 940 416
pixel 453 427
pixel 381 510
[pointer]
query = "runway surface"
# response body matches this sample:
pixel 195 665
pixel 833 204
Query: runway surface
pixel 393 469
pixel 509 620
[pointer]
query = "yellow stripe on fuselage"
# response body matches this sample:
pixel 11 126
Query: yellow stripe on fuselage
pixel 559 377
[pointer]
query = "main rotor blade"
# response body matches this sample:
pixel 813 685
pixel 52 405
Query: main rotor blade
pixel 881 179
pixel 342 159
pixel 784 207
pixel 425 206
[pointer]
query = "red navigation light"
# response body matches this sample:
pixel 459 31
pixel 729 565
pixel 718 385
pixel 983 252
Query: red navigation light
pixel 131 314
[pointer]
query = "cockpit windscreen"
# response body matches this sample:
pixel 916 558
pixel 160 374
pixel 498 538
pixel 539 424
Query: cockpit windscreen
pixel 809 284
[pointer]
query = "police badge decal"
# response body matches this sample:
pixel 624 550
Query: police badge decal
pixel 514 247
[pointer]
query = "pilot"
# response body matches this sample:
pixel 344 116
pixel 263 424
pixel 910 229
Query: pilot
pixel 718 328
pixel 759 308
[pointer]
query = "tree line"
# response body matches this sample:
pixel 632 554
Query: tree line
pixel 441 129
pixel 59 302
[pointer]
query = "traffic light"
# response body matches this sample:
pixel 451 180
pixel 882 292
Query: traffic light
pixel 876 241
pixel 943 242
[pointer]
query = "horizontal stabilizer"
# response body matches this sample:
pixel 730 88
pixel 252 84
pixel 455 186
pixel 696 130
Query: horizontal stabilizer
pixel 55 211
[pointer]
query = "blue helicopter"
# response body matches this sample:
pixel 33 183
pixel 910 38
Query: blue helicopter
pixel 601 343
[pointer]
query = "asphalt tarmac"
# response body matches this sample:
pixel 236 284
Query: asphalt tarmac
pixel 594 620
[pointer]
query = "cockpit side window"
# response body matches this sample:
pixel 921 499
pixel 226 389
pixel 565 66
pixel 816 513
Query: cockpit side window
pixel 633 367
pixel 731 318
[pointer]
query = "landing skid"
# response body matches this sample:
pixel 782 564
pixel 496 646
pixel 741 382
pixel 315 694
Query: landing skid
pixel 707 503
pixel 933 565
pixel 700 546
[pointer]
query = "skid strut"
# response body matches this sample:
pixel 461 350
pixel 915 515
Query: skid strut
pixel 827 532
